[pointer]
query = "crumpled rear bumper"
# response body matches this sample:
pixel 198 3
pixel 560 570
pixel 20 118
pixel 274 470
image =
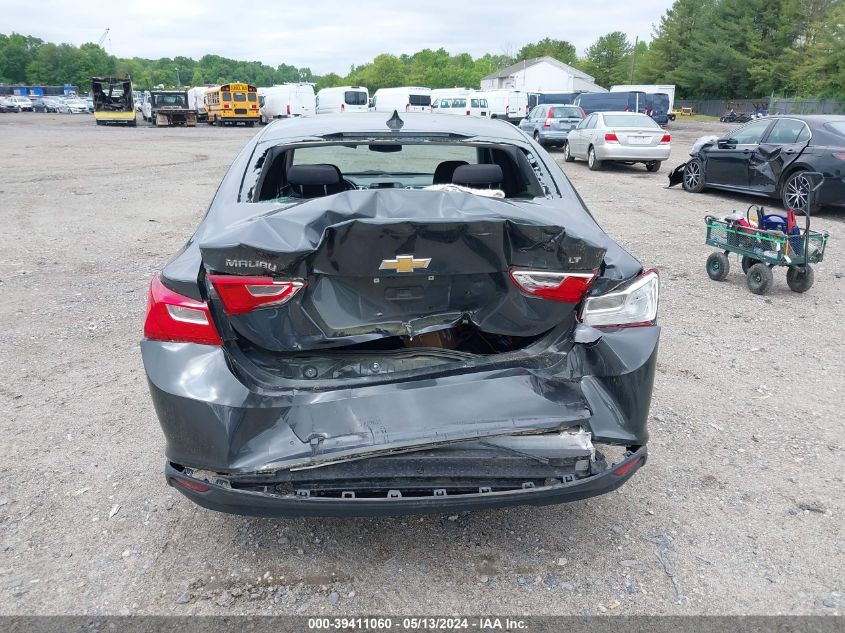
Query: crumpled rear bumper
pixel 263 504
pixel 214 422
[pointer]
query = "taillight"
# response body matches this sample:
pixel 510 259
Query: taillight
pixel 547 123
pixel 288 109
pixel 175 317
pixel 241 295
pixel 625 468
pixel 468 113
pixel 839 155
pixel 565 287
pixel 342 107
pixel 583 113
pixel 633 306
pixel 226 106
pixel 190 485
pixel 611 137
pixel 666 138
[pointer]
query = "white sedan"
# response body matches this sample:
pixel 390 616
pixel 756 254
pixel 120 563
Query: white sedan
pixel 624 137
pixel 19 103
pixel 74 106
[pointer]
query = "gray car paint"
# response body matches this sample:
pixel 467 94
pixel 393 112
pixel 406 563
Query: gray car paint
pixel 213 420
pixel 217 413
pixel 344 306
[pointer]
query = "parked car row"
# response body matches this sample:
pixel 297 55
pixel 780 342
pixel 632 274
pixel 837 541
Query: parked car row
pixel 64 105
pixel 511 105
pixel 298 99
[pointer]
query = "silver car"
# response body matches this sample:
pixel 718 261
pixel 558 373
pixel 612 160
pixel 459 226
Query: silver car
pixel 550 123
pixel 18 103
pixel 74 105
pixel 624 137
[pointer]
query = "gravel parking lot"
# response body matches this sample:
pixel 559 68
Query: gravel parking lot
pixel 738 511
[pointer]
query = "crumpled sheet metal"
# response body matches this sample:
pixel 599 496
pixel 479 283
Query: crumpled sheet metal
pixel 338 245
pixel 287 236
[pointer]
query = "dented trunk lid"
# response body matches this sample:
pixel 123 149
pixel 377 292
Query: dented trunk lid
pixel 385 263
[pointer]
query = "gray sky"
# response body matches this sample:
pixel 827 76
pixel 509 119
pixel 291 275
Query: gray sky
pixel 327 35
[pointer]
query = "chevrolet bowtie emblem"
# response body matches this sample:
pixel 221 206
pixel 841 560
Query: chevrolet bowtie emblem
pixel 404 264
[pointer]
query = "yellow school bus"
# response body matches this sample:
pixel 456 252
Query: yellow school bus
pixel 230 104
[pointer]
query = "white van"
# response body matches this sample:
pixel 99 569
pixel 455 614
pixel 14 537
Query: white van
pixel 196 101
pixel 404 99
pixel 286 100
pixel 511 105
pixel 343 99
pixel 462 103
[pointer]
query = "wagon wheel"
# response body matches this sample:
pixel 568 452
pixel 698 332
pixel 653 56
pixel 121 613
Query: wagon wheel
pixel 718 266
pixel 748 262
pixel 759 278
pixel 800 279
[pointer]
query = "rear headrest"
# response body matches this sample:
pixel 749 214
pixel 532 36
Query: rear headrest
pixel 320 175
pixel 445 170
pixel 477 175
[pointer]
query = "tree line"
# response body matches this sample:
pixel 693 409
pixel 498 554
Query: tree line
pixel 707 48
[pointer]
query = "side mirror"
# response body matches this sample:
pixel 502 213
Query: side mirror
pixel 727 142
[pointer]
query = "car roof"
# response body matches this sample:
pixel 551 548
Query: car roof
pixel 622 113
pixel 343 88
pixel 376 122
pixel 817 119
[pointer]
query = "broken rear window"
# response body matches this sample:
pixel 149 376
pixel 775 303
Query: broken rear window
pixel 393 166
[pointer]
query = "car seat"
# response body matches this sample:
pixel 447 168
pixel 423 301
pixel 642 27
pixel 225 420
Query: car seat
pixel 444 171
pixel 478 176
pixel 315 181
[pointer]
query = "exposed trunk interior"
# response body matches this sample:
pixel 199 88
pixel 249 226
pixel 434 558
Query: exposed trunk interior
pixel 386 355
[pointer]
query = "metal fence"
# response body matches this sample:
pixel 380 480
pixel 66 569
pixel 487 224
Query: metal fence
pixel 774 105
pixel 718 107
pixel 806 106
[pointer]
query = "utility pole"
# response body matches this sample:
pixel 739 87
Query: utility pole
pixel 178 81
pixel 634 57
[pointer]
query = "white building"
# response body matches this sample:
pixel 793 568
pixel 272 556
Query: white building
pixel 541 74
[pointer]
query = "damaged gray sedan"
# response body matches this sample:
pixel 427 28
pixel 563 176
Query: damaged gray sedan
pixel 391 317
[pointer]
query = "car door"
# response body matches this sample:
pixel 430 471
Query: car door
pixel 728 160
pixel 784 142
pixel 593 129
pixel 577 138
pixel 527 124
